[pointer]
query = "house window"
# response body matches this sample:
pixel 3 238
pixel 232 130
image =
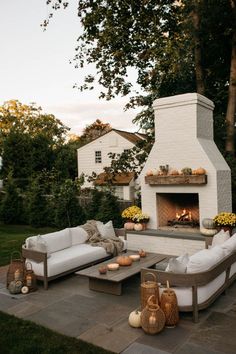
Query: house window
pixel 98 157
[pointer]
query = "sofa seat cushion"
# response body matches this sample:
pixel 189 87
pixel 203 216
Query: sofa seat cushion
pixel 184 294
pixel 70 258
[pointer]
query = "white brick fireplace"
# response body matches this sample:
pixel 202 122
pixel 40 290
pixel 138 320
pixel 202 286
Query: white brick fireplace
pixel 184 138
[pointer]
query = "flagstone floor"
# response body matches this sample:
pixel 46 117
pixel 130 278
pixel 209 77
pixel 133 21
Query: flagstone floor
pixel 70 308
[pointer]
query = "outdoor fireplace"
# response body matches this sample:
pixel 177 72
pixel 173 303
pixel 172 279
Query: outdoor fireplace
pixel 184 123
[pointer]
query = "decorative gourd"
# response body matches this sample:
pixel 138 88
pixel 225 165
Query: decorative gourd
pixel 15 286
pixel 124 260
pixel 142 253
pixel 135 319
pixel 200 171
pixel 208 232
pixel 208 223
pixel 186 171
pixel 25 289
pixel 149 173
pixel 129 225
pixel 138 227
pixel 174 172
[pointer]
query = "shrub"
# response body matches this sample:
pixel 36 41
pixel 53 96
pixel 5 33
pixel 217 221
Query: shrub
pixel 68 211
pixel 12 211
pixel 109 209
pixel 38 205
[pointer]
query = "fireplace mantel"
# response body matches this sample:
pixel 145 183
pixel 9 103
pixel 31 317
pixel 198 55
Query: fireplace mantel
pixel 178 179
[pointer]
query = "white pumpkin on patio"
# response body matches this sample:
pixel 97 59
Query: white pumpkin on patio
pixel 135 319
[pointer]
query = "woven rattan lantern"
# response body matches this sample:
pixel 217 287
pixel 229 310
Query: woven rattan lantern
pixel 30 277
pixel 152 317
pixel 149 288
pixel 16 269
pixel 169 305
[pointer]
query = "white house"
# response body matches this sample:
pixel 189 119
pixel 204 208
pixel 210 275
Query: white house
pixel 93 157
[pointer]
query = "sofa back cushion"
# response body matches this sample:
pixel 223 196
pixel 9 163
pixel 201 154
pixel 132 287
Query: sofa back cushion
pixel 205 259
pixel 78 235
pixel 57 241
pixel 220 238
pixel 229 246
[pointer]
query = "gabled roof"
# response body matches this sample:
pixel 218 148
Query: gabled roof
pixel 134 138
pixel 120 179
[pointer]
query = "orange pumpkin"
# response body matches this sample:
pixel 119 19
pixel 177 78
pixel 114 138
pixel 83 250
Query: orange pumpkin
pixel 200 171
pixel 174 172
pixel 124 260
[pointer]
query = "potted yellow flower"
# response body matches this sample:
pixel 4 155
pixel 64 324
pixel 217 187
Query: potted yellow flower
pixel 141 218
pixel 225 221
pixel 128 215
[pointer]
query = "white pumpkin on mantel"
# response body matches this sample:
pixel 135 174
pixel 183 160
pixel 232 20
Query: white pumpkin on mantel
pixel 135 319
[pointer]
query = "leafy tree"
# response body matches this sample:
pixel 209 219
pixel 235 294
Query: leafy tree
pixel 67 208
pixel 12 211
pixel 29 119
pixel 66 161
pixel 93 131
pixel 17 155
pixel 175 47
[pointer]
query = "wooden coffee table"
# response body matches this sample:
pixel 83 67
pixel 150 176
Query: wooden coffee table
pixel 111 282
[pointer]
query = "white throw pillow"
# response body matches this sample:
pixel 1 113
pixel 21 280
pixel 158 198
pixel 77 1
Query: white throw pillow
pixel 106 230
pixel 205 259
pixel 179 264
pixel 78 235
pixel 36 243
pixel 229 246
pixel 220 238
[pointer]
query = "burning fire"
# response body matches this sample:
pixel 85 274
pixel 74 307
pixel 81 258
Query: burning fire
pixel 186 215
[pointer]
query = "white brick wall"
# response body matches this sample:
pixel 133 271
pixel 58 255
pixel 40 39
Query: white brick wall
pixel 184 138
pixel 164 245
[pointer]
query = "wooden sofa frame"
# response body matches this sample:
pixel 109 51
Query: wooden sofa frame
pixel 42 257
pixel 195 280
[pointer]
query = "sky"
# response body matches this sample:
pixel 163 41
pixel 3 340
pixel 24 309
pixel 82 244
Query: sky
pixel 34 67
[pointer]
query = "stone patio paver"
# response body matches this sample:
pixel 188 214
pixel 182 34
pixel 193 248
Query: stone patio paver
pixel 137 348
pixel 69 307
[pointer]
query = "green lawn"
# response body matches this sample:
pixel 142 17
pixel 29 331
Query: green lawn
pixel 24 337
pixel 12 237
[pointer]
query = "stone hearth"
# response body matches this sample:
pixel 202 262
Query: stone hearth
pixel 184 138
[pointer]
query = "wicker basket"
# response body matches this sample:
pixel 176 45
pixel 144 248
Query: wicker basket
pixel 16 269
pixel 169 305
pixel 152 317
pixel 30 277
pixel 149 288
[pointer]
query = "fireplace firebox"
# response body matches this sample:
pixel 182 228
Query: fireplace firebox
pixel 178 209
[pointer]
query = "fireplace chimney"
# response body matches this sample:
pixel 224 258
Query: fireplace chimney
pixel 184 138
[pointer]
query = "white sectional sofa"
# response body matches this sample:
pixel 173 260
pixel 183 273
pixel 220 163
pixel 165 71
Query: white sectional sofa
pixel 63 252
pixel 208 273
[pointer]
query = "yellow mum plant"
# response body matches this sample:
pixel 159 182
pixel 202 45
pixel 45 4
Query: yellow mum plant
pixel 130 212
pixel 225 219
